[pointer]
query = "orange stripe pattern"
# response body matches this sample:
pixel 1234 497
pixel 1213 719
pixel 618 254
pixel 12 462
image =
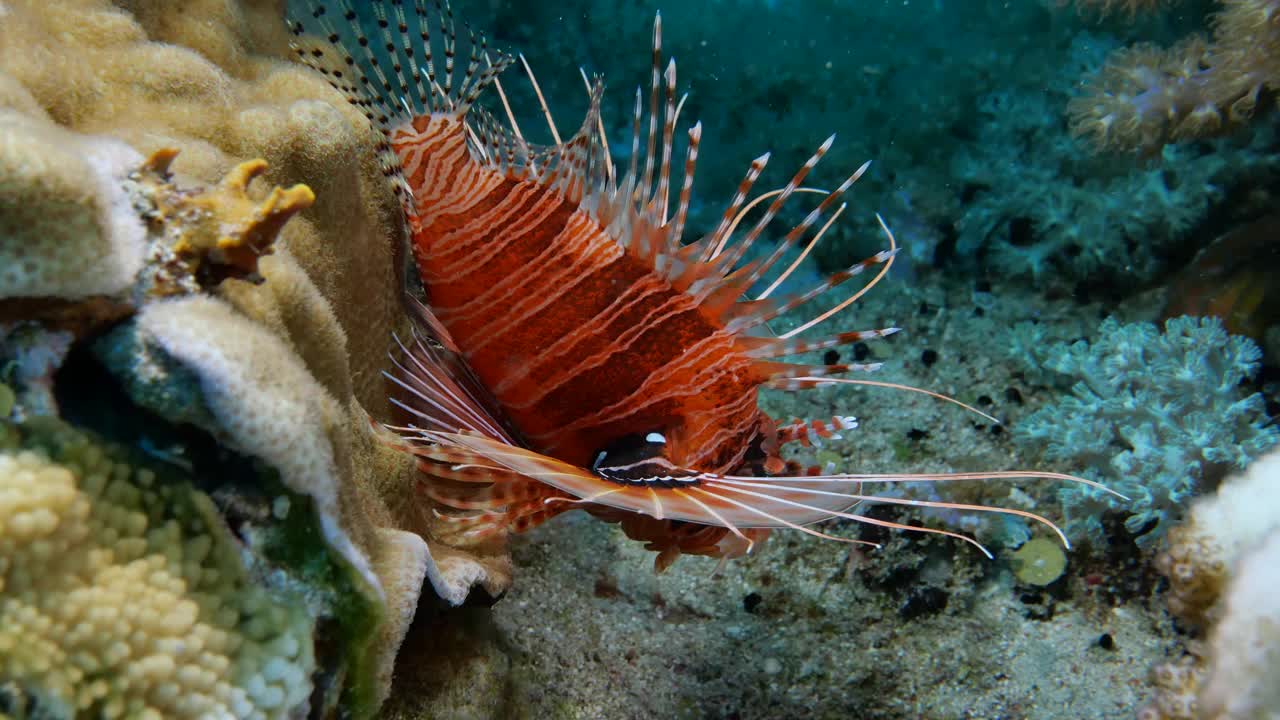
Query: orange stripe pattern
pixel 580 341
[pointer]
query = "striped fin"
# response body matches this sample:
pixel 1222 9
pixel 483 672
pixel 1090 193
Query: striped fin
pixel 741 502
pixel 384 57
pixel 778 348
pixel 638 212
pixel 434 386
pixel 812 432
pixel 477 499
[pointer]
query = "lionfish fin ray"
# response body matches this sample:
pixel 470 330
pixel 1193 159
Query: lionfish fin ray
pixel 386 52
pixel 383 57
pixel 435 388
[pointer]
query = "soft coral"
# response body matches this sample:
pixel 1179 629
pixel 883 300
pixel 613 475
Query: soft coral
pixel 1146 96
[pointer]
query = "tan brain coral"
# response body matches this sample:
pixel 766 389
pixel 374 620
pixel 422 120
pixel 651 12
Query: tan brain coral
pixel 67 228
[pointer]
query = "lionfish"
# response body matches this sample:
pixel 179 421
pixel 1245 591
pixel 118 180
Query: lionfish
pixel 574 349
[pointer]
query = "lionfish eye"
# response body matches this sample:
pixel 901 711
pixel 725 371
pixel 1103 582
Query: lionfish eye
pixel 640 460
pixel 630 449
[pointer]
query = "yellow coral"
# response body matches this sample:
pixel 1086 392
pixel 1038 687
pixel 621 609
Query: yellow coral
pixel 221 232
pixel 109 608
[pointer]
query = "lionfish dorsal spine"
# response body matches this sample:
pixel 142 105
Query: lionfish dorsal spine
pixel 387 64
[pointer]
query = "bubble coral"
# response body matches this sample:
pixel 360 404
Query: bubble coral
pixel 124 598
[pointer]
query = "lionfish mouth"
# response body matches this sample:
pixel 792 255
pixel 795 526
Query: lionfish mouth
pixel 584 267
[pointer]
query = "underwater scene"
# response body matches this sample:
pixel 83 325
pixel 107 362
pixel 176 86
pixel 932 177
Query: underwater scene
pixel 715 359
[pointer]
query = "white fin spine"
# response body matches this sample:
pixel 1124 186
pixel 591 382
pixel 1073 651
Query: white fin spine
pixel 382 50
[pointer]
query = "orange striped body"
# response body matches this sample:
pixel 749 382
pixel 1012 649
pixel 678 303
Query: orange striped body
pixel 580 341
pixel 624 361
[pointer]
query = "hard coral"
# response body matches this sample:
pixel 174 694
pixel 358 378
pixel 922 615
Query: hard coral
pixel 1221 566
pixel 122 598
pixel 67 227
pixel 1220 528
pixel 263 400
pixel 286 372
pixel 213 79
pixel 1244 682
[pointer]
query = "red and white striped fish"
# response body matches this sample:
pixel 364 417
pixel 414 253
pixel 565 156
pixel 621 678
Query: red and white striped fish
pixel 575 351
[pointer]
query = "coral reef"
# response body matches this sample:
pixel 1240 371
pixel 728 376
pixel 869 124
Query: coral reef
pixel 1043 209
pixel 201 267
pixel 1221 565
pixel 1245 646
pixel 67 226
pixel 1200 554
pixel 1152 414
pixel 199 250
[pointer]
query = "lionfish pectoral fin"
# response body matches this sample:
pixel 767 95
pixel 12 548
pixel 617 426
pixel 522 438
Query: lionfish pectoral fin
pixel 434 388
pixel 686 496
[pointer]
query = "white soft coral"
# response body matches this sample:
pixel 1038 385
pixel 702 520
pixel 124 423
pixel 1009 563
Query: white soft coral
pixel 1223 567
pixel 1244 683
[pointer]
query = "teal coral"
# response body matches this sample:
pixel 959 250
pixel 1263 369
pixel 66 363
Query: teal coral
pixel 1048 210
pixel 1151 414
